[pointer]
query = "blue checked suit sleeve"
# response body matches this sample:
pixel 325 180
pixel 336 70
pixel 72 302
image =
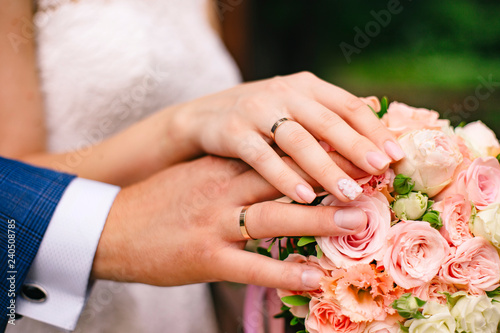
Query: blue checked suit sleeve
pixel 28 198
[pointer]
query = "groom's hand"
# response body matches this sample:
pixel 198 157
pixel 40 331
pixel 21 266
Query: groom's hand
pixel 181 226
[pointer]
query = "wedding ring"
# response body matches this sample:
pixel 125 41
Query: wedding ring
pixel 276 125
pixel 243 227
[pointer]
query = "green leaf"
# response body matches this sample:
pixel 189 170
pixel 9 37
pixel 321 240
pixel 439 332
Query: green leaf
pixel 429 204
pixel 319 251
pixel 462 124
pixel 384 104
pixel 498 157
pixel 294 321
pixel 493 293
pixel 296 300
pixel 408 306
pixel 403 184
pixel 306 240
pixel 433 218
pixel 404 328
pixel 375 112
pixel 264 252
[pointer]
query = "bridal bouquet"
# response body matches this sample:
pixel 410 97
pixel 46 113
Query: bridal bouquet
pixel 428 259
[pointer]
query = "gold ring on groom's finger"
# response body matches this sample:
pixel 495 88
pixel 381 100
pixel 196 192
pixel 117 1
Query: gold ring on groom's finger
pixel 243 227
pixel 276 125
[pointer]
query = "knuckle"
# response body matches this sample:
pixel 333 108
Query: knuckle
pixel 291 276
pixel 354 104
pixel 306 75
pixel 359 145
pixel 250 103
pixel 299 138
pixel 328 121
pixel 326 170
pixel 283 177
pixel 277 85
pixel 324 217
pixel 261 158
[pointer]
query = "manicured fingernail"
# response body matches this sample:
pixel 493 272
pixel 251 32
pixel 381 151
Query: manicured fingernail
pixel 305 193
pixel 350 218
pixel 377 160
pixel 349 188
pixel 311 279
pixel 393 150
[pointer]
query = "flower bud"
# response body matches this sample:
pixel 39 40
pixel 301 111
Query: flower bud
pixel 410 206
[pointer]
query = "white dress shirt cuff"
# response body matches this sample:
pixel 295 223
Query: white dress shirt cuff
pixel 63 262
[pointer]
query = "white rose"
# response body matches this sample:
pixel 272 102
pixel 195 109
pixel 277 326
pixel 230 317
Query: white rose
pixel 438 320
pixel 475 314
pixel 410 206
pixel 487 224
pixel 431 160
pixel 479 139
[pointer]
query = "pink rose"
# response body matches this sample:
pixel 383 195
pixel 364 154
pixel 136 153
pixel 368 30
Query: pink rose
pixel 301 311
pixel 325 317
pixel 431 160
pixel 455 213
pixel 363 247
pixel 480 183
pixel 389 325
pixel 475 266
pixel 433 290
pixel 415 254
pixel 401 118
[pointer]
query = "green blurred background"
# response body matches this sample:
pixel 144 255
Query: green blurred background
pixel 433 54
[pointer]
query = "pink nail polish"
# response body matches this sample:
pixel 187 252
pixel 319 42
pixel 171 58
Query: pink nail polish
pixel 305 193
pixel 350 218
pixel 311 279
pixel 349 188
pixel 393 150
pixel 377 160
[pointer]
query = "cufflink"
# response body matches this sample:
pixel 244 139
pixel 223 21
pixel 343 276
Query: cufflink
pixel 33 293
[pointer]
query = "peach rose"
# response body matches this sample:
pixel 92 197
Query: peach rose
pixel 302 310
pixel 415 254
pixel 401 118
pixel 325 317
pixel 480 139
pixel 455 214
pixel 431 160
pixel 433 290
pixel 475 266
pixel 389 325
pixel 363 247
pixel 480 183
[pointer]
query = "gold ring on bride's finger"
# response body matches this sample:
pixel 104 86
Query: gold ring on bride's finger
pixel 276 125
pixel 243 227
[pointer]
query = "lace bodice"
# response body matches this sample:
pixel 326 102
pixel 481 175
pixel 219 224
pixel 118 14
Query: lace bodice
pixel 105 64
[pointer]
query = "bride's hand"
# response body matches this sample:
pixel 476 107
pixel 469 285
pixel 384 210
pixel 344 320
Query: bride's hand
pixel 182 226
pixel 238 122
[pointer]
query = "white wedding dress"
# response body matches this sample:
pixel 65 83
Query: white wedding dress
pixel 104 65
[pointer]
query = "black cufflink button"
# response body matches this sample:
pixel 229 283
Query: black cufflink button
pixel 33 293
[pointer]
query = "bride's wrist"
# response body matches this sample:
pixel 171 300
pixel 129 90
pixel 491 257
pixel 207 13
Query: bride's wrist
pixel 182 131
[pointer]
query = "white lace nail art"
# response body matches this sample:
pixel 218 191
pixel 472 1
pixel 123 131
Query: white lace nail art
pixel 349 188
